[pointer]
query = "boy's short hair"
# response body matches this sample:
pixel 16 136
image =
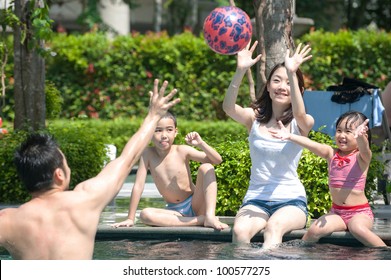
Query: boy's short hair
pixel 170 115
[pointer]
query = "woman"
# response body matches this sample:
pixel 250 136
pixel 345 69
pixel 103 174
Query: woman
pixel 275 200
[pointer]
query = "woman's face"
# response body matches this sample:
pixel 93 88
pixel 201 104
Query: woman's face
pixel 278 87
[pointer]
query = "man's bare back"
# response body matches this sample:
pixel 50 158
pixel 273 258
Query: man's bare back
pixel 65 231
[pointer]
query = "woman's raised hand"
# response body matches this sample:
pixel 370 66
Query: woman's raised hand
pixel 292 63
pixel 244 57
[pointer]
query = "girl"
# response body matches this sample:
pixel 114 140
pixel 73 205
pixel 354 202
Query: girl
pixel 348 165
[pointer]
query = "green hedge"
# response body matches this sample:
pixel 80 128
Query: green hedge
pixel 233 176
pixel 362 54
pixel 103 78
pixel 92 76
pixel 83 143
pixel 107 78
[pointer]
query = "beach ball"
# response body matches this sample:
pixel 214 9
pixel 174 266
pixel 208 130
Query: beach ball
pixel 227 30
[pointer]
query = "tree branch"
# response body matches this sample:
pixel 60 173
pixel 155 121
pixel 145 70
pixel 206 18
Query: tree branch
pixel 249 74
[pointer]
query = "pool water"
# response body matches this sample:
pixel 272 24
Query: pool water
pixel 212 250
pixel 117 211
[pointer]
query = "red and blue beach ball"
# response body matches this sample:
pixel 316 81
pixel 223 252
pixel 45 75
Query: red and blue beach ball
pixel 227 30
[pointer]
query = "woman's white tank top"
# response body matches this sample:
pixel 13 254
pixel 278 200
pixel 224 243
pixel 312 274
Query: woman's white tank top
pixel 274 167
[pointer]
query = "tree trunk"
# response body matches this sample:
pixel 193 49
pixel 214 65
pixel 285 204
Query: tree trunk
pixel 29 74
pixel 273 25
pixel 158 15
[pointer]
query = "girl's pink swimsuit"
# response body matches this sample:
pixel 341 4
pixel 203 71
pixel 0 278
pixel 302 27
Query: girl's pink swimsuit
pixel 345 172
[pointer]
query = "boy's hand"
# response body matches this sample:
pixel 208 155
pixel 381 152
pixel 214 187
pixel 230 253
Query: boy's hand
pixel 193 138
pixel 126 223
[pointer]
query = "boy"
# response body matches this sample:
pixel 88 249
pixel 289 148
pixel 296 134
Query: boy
pixel 188 204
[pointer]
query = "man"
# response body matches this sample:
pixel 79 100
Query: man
pixel 61 224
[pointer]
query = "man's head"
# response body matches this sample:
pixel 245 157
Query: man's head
pixel 37 159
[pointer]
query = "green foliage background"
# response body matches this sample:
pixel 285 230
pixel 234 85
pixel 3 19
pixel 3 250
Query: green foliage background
pixel 83 142
pixel 105 78
pixel 99 89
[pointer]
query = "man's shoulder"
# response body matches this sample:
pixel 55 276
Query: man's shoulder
pixel 5 212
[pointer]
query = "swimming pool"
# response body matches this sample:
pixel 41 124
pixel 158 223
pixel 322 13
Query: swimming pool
pixel 214 250
pixel 170 247
pixel 217 250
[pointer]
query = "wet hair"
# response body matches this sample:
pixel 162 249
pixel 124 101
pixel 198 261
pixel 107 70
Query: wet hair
pixel 351 118
pixel 170 115
pixel 263 105
pixel 36 160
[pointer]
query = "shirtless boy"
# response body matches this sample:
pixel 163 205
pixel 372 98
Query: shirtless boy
pixel 188 204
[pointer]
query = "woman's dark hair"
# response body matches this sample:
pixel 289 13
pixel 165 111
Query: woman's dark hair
pixel 353 117
pixel 36 160
pixel 263 105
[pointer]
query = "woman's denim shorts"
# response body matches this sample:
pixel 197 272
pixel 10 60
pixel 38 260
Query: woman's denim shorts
pixel 272 206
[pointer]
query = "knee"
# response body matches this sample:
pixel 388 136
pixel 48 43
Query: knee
pixel 206 171
pixel 273 227
pixel 313 230
pixel 205 168
pixel 240 234
pixel 146 216
pixel 358 229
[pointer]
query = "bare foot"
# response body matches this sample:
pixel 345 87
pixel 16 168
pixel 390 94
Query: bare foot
pixel 215 223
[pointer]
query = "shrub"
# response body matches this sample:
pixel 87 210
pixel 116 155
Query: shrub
pixel 84 149
pixel 83 143
pixel 11 189
pixel 361 54
pixel 234 172
pixel 100 78
pixel 54 101
pixel 103 78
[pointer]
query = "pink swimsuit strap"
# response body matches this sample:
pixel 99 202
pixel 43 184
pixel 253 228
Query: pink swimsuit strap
pixel 345 172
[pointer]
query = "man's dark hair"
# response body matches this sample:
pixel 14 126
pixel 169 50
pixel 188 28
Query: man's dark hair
pixel 36 160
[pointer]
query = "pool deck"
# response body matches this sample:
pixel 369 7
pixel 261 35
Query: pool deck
pixel 142 232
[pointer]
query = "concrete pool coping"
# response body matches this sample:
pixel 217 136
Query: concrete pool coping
pixel 142 232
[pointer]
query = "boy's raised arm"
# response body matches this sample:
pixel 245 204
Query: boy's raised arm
pixel 110 180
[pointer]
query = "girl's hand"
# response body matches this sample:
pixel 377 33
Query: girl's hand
pixel 362 129
pixel 301 55
pixel 282 133
pixel 244 57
